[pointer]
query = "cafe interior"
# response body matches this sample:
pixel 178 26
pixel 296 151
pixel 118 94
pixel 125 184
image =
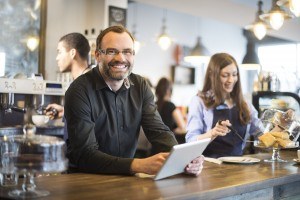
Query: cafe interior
pixel 174 39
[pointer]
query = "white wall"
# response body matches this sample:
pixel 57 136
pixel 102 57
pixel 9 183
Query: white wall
pixel 77 15
pixel 68 16
pixel 154 63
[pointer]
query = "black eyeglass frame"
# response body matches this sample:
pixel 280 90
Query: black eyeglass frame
pixel 114 52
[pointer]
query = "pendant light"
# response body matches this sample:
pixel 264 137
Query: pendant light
pixel 164 40
pixel 32 43
pixel 251 60
pixel 137 44
pixel 199 54
pixel 32 40
pixel 259 27
pixel 293 5
pixel 276 16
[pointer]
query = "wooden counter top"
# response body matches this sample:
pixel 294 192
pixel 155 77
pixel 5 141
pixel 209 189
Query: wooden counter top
pixel 264 180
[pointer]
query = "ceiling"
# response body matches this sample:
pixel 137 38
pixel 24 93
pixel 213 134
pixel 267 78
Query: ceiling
pixel 236 12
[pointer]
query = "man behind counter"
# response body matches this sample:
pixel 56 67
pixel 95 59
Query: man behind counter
pixel 105 108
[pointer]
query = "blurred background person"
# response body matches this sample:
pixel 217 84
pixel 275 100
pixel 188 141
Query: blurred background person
pixel 221 104
pixel 170 115
pixel 72 56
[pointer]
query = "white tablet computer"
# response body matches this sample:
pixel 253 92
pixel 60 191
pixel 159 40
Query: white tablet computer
pixel 180 156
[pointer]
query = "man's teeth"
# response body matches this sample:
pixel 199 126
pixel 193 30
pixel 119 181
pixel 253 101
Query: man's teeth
pixel 119 66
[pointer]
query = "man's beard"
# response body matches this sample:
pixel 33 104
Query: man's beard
pixel 117 76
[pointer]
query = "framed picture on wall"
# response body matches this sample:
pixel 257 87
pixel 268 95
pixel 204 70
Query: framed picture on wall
pixel 117 16
pixel 183 75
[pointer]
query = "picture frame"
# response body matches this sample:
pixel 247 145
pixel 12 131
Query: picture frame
pixel 183 75
pixel 117 16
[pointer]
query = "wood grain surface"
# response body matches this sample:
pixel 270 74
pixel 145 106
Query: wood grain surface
pixel 227 181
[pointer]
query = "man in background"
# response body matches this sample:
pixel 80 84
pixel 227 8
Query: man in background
pixel 72 56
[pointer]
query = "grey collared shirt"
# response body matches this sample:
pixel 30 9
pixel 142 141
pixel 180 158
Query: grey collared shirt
pixel 103 126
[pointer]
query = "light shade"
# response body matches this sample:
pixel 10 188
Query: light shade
pixel 199 54
pixel 276 16
pixel 251 60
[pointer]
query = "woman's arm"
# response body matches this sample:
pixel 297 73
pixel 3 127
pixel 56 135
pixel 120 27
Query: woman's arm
pixel 200 122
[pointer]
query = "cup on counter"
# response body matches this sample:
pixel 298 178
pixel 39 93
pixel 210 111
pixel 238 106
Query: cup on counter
pixel 40 120
pixel 8 173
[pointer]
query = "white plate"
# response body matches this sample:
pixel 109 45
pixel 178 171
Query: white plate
pixel 239 160
pixel 296 160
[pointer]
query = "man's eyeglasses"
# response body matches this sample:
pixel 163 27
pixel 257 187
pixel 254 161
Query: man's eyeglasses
pixel 114 52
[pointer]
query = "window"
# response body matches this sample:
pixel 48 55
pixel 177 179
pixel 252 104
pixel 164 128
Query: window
pixel 282 61
pixel 2 63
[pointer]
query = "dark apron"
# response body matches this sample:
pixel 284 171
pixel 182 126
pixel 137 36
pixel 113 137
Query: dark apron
pixel 231 144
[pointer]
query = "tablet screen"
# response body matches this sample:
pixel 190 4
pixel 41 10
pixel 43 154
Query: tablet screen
pixel 180 156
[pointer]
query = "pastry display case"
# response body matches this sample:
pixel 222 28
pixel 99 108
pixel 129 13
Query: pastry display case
pixel 283 101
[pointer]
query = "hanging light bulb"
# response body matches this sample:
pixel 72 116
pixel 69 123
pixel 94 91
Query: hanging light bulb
pixel 276 20
pixel 164 40
pixel 32 43
pixel 137 44
pixel 295 7
pixel 292 5
pixel 275 16
pixel 260 30
pixel 259 27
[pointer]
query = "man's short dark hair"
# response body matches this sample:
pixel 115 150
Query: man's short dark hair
pixel 115 29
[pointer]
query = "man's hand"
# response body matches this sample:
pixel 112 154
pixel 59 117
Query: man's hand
pixel 59 111
pixel 195 167
pixel 150 165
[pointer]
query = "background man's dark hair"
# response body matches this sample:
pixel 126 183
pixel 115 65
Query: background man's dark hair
pixel 77 41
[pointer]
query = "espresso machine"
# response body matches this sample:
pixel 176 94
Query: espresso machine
pixel 21 98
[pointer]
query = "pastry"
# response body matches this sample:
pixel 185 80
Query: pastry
pixel 267 139
pixel 277 129
pixel 283 119
pixel 284 143
pixel 282 135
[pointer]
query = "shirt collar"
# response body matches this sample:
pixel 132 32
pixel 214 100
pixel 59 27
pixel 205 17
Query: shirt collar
pixel 101 84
